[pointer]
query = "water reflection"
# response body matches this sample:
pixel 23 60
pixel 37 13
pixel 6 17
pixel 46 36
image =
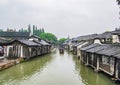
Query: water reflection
pixel 24 70
pixel 53 69
pixel 89 76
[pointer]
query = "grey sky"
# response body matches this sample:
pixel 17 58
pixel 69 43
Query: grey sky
pixel 61 17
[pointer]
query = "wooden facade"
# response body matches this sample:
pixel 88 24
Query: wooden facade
pixel 103 54
pixel 45 46
pixel 75 50
pixel 77 47
pixel 23 49
pixel 27 49
pixel 106 64
pixel 105 58
pixel 117 66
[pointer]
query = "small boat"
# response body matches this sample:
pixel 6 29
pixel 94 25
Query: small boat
pixel 61 50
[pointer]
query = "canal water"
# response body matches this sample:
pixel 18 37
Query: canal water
pixel 53 69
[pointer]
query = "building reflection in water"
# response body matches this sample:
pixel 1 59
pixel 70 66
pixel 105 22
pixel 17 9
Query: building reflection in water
pixel 89 76
pixel 24 70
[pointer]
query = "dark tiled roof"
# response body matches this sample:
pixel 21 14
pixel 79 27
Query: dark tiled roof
pixel 85 37
pixel 87 43
pixel 42 42
pixel 97 48
pixel 104 35
pixel 14 34
pixel 117 55
pixel 27 42
pixel 110 50
pixel 4 41
pixel 105 49
pixel 89 46
pixel 78 44
pixel 116 32
pixel 35 36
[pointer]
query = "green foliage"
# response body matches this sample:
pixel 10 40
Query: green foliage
pixel 62 40
pixel 29 28
pixel 23 30
pixel 43 30
pixel 37 31
pixel 34 30
pixel 49 37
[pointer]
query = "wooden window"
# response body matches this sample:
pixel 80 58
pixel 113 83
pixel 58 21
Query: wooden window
pixel 112 61
pixel 105 60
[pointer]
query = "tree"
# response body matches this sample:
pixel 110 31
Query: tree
pixel 24 30
pixel 33 29
pixel 21 29
pixel 49 37
pixel 62 40
pixel 43 30
pixel 29 28
pixel 40 32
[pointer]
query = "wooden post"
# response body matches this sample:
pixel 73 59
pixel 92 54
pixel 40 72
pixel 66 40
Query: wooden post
pixel 98 62
pixel 10 55
pixel 87 59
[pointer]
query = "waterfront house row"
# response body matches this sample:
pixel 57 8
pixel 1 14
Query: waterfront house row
pixel 104 38
pixel 75 44
pixel 102 57
pixel 26 48
pixel 101 51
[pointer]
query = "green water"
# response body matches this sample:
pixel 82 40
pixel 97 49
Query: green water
pixel 53 69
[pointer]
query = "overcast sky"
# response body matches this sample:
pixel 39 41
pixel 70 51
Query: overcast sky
pixel 61 17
